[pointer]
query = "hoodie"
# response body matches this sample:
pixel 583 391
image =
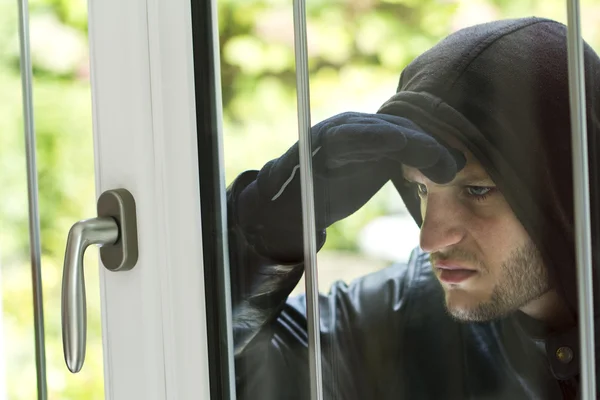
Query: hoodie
pixel 501 88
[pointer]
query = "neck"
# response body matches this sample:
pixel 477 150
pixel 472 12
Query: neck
pixel 550 309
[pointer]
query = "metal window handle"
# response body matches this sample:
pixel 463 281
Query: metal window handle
pixel 115 230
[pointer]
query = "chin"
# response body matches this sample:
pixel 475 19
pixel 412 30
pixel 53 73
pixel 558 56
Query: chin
pixel 465 307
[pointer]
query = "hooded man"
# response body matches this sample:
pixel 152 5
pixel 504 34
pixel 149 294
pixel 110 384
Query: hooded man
pixel 477 140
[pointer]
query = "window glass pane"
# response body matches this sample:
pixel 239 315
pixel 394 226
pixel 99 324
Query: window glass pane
pixel 448 266
pixel 260 124
pixel 18 351
pixel 65 161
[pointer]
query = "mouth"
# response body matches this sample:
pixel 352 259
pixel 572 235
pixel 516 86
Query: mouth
pixel 456 275
pixel 452 272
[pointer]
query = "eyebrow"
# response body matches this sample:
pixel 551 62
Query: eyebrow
pixel 472 179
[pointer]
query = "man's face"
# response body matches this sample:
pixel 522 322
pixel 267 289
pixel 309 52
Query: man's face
pixel 481 254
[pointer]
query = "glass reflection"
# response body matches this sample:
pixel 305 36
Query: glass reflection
pixel 476 141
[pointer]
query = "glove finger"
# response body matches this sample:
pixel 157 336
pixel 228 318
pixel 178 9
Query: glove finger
pixel 420 151
pixel 362 139
pixel 372 142
pixel 367 137
pixel 446 168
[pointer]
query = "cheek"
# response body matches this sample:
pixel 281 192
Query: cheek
pixel 490 224
pixel 498 237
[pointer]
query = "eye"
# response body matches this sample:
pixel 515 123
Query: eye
pixel 479 192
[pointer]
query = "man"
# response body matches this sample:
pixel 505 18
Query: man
pixel 477 142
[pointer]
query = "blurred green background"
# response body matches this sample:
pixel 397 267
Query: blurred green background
pixel 357 49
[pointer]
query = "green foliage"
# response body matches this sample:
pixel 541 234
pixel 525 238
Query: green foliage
pixel 62 108
pixel 357 49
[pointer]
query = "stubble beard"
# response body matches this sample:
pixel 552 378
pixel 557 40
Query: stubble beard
pixel 523 278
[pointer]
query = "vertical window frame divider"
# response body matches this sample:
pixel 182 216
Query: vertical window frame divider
pixel 308 202
pixel 583 237
pixel 32 194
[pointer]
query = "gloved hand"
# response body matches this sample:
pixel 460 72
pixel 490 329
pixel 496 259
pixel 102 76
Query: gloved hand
pixel 354 155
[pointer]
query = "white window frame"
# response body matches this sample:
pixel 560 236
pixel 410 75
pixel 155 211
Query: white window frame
pixel 154 316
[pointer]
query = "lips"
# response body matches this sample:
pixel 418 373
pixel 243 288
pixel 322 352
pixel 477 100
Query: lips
pixel 456 275
pixel 451 265
pixel 452 272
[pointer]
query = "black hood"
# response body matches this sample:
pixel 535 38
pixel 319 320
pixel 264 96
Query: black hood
pixel 501 88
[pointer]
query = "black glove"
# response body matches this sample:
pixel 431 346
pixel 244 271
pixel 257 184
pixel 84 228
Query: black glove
pixel 354 155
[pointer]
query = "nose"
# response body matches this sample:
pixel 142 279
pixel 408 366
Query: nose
pixel 443 224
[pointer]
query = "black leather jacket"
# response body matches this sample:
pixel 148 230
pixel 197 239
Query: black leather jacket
pixel 384 336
